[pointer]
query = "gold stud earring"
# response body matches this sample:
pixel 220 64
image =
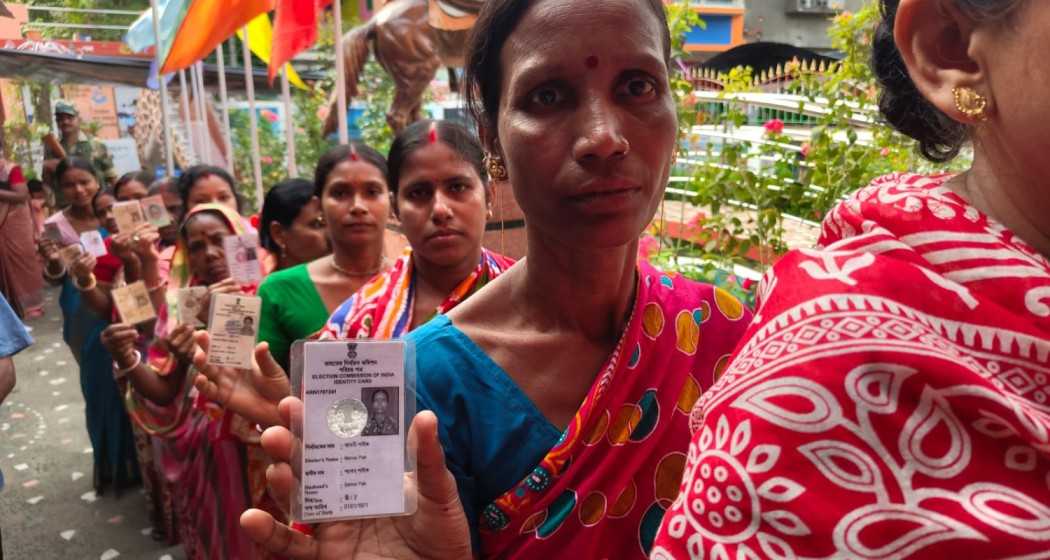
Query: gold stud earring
pixel 496 168
pixel 971 103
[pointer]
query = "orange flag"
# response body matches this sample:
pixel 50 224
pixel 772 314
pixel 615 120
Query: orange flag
pixel 294 30
pixel 207 24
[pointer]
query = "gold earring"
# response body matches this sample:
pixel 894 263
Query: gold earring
pixel 496 168
pixel 971 103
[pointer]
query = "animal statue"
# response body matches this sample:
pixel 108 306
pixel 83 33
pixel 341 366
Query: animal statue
pixel 148 132
pixel 412 40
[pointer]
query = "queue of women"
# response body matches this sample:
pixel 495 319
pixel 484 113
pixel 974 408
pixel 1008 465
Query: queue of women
pixel 887 399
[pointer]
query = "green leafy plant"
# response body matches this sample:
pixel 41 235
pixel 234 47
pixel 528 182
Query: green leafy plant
pixel 749 186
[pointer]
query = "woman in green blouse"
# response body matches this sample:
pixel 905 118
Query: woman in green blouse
pixel 350 185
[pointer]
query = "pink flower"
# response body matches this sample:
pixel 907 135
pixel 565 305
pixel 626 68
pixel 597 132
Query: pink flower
pixel 266 160
pixel 647 247
pixel 805 150
pixel 269 115
pixel 775 126
pixel 885 152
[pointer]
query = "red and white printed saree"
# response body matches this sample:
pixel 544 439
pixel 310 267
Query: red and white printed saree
pixel 891 399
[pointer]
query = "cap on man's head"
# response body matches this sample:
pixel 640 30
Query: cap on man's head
pixel 64 107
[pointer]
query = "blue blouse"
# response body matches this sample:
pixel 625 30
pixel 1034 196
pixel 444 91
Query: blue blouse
pixel 492 433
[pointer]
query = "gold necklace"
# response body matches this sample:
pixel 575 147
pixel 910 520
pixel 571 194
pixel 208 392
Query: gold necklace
pixel 382 265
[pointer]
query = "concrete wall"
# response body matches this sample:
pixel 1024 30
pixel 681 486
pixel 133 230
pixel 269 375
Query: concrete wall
pixel 771 20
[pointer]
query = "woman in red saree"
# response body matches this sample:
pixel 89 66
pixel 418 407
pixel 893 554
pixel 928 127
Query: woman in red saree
pixel 892 399
pixel 555 398
pixel 21 276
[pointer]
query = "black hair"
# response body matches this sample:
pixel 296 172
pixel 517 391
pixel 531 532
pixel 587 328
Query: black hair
pixel 140 176
pixel 71 163
pixel 283 204
pixel 418 135
pixel 190 177
pixel 106 191
pixel 36 186
pixel 354 151
pixel 940 137
pixel 164 185
pixel 482 78
pixel 385 394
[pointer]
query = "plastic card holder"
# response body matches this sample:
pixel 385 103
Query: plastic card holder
pixel 351 447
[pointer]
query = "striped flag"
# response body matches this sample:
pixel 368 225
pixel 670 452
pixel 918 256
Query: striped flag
pixel 207 24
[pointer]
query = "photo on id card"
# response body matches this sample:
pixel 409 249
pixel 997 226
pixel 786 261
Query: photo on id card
pixel 233 323
pixel 352 433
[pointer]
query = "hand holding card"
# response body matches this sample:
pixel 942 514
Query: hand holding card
pixel 438 529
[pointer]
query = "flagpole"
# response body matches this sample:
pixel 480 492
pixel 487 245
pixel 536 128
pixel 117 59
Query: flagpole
pixel 195 106
pixel 202 107
pixel 289 124
pixel 184 101
pixel 253 118
pixel 169 157
pixel 223 98
pixel 340 72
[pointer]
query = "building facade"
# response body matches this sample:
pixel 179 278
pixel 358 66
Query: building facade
pixel 801 23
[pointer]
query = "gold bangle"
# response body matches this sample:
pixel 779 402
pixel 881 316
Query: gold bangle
pixel 91 284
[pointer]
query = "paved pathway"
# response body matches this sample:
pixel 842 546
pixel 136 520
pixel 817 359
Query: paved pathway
pixel 48 509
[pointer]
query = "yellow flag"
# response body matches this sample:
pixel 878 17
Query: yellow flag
pixel 260 39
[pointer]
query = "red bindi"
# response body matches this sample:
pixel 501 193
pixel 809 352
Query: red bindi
pixel 591 62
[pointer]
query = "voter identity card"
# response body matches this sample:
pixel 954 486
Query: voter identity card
pixel 233 323
pixel 156 212
pixel 133 303
pixel 357 403
pixel 242 258
pixel 190 301
pixel 93 243
pixel 128 215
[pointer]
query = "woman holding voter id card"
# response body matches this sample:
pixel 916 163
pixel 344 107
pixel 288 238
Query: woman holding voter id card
pixel 69 262
pixel 557 398
pixel 207 454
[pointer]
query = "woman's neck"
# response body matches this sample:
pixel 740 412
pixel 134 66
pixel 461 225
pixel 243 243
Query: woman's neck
pixel 363 259
pixel 994 186
pixel 80 214
pixel 586 291
pixel 444 279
